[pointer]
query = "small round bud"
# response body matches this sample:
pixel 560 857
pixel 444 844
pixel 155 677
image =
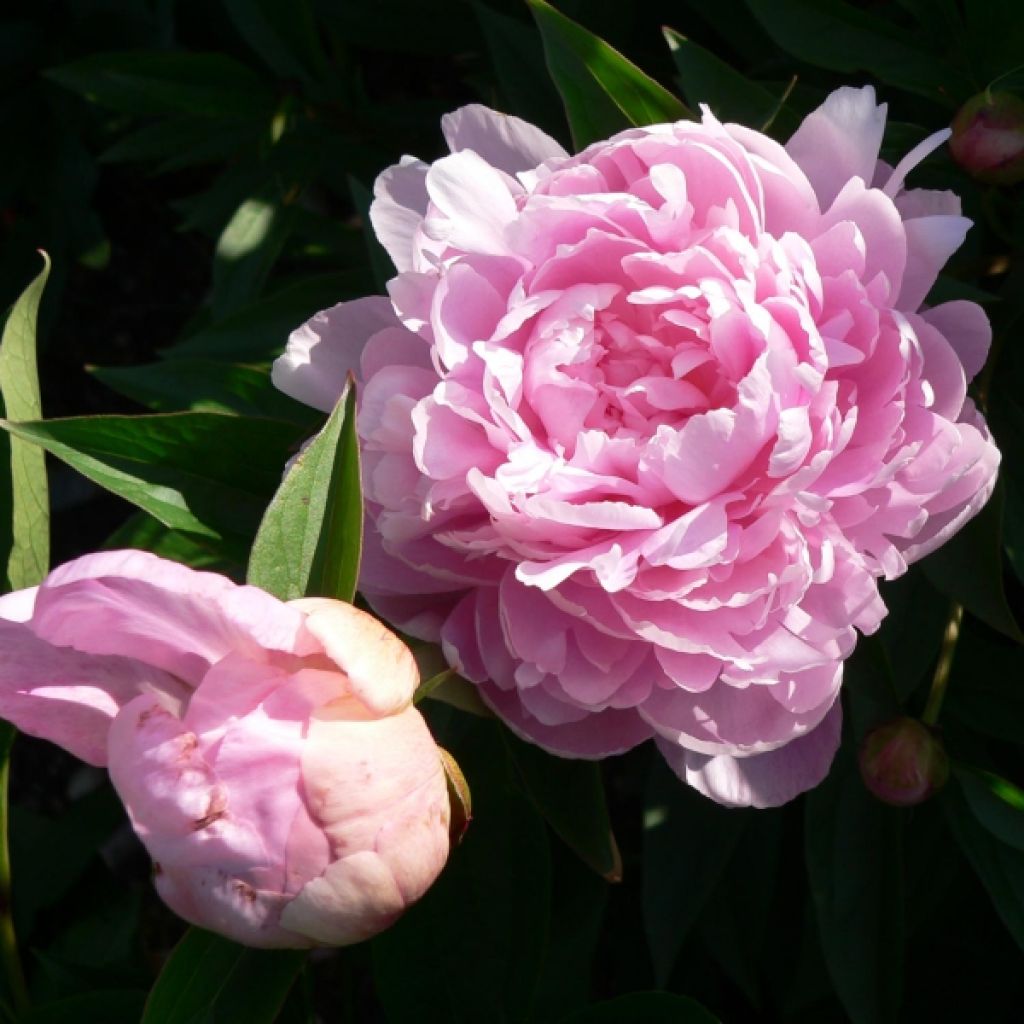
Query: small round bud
pixel 903 763
pixel 988 138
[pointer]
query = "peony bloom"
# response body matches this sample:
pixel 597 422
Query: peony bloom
pixel 267 753
pixel 643 427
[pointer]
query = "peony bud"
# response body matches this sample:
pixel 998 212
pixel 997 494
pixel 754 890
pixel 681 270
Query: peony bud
pixel 268 754
pixel 988 138
pixel 903 763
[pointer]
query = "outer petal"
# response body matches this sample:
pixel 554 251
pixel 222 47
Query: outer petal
pixel 505 142
pixel 183 814
pixel 134 604
pixel 764 780
pixel 322 352
pixel 597 735
pixel 966 327
pixel 378 790
pixel 381 670
pixel 399 208
pixel 839 141
pixel 70 698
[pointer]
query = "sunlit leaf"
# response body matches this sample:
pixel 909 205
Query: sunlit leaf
pixel 602 91
pixel 27 551
pixel 198 472
pixel 996 802
pixel 310 540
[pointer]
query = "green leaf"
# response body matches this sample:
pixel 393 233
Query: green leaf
pixel 644 1008
pixel 968 568
pixel 570 795
pixel 985 689
pixel 144 533
pixel 208 978
pixel 259 332
pixel 855 866
pixel 246 252
pixel 999 867
pixel 283 35
pixel 205 385
pixel 836 35
pixel 166 82
pixel 49 856
pixel 310 540
pixel 517 57
pixel 28 556
pixel 731 96
pixel 688 840
pixel 602 91
pixel 473 948
pixel 193 471
pixel 996 803
pixel 735 922
pixel 912 632
pixel 177 141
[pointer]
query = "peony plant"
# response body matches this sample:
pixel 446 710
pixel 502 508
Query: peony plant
pixel 643 427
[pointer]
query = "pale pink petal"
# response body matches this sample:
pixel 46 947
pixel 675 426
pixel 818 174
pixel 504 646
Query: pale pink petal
pixel 380 670
pixel 966 327
pixel 324 351
pixel 70 698
pixel 839 141
pixel 476 200
pixel 134 604
pixel 505 142
pixel 763 780
pixel 930 243
pixel 398 209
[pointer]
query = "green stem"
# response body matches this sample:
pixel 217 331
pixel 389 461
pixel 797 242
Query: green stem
pixel 8 940
pixel 941 678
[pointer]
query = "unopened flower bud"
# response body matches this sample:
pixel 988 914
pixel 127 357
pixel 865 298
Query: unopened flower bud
pixel 988 138
pixel 903 763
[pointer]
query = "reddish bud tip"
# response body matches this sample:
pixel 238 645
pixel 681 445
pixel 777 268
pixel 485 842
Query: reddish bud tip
pixel 988 138
pixel 903 763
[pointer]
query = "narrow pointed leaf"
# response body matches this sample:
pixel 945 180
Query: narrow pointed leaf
pixel 570 796
pixel 999 866
pixel 706 78
pixel 855 865
pixel 194 471
pixel 688 841
pixel 310 540
pixel 208 978
pixel 26 552
pixel 602 91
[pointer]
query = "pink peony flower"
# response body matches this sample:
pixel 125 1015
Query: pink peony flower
pixel 267 753
pixel 643 427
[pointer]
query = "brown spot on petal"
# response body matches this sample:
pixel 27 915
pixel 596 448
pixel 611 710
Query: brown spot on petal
pixel 215 810
pixel 245 890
